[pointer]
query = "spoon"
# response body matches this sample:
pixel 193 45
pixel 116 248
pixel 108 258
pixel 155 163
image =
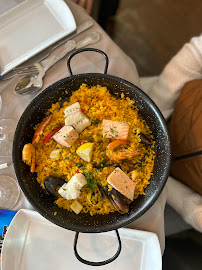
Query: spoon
pixel 31 84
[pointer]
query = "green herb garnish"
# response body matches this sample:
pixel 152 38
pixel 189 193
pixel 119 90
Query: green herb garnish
pixel 79 165
pixel 95 122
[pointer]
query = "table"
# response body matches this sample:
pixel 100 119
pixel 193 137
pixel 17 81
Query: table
pixel 120 65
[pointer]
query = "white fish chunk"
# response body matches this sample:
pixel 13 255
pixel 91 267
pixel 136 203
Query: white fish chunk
pixel 73 118
pixel 72 109
pixel 72 189
pixel 82 124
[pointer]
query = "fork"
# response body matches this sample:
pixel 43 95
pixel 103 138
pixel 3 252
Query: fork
pixel 29 70
pixel 36 82
pixel 33 69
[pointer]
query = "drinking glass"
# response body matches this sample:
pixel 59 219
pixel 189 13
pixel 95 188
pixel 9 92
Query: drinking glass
pixel 7 130
pixel 9 189
pixel 9 192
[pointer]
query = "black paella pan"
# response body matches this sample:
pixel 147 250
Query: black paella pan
pixel 44 203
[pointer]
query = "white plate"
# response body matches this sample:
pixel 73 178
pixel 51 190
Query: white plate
pixel 31 27
pixel 32 242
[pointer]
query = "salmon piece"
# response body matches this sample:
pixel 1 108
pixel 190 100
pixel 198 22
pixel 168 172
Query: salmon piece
pixel 122 183
pixel 66 136
pixel 115 129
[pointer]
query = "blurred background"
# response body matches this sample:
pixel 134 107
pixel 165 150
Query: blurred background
pixel 150 32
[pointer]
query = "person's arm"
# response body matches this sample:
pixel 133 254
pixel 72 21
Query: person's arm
pixel 185 66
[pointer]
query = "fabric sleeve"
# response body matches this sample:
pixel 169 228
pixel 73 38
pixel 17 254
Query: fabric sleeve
pixel 186 65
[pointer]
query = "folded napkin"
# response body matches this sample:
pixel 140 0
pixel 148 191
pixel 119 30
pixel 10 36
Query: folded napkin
pixel 164 89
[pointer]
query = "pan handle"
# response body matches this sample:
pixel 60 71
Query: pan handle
pixel 87 50
pixel 97 263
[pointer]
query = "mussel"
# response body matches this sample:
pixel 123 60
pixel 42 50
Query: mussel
pixel 117 200
pixel 100 191
pixel 144 139
pixel 52 184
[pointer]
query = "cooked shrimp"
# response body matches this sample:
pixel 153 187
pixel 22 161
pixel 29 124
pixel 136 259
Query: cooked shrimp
pixel 28 156
pixel 122 153
pixel 41 127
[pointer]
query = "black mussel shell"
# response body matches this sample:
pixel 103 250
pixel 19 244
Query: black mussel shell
pixel 52 184
pixel 117 200
pixel 144 139
pixel 101 192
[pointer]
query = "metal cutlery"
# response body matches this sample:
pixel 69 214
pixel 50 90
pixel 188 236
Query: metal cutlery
pixel 45 53
pixel 31 84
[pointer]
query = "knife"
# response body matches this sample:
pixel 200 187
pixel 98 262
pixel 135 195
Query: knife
pixel 40 56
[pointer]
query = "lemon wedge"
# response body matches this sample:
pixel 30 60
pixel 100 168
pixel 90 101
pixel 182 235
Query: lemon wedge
pixel 85 151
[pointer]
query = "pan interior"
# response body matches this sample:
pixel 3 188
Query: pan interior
pixel 42 202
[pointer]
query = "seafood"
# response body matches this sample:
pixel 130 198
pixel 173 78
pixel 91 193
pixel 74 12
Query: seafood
pixel 72 109
pixel 117 200
pixel 66 136
pixel 52 184
pixel 28 156
pixel 122 153
pixel 78 163
pixel 41 127
pixel 122 183
pixel 115 129
pixel 72 189
pixel 144 139
pixel 73 118
pixel 76 118
pixel 82 124
pixel 50 135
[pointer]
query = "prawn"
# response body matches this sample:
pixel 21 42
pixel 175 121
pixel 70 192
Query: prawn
pixel 41 127
pixel 28 156
pixel 122 153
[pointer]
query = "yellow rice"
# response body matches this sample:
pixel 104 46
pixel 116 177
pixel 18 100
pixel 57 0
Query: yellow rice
pixel 97 103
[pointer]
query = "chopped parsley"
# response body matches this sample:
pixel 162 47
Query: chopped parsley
pixel 112 130
pixel 79 165
pixel 90 179
pixel 95 122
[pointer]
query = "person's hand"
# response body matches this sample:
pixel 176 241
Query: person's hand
pixel 86 4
